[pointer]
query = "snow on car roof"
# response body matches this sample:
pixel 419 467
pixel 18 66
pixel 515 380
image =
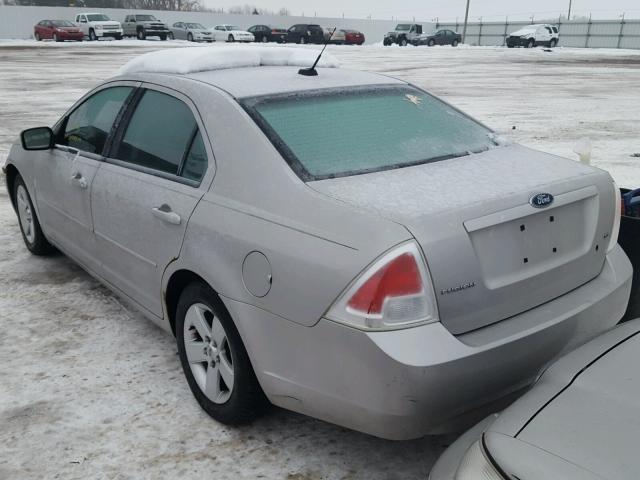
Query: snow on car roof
pixel 202 59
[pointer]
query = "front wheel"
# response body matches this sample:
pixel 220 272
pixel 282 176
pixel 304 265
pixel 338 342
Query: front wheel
pixel 431 42
pixel 553 43
pixel 92 35
pixel 171 37
pixel 37 37
pixel 265 39
pixel 190 37
pixel 214 359
pixel 531 43
pixel 231 39
pixel 454 43
pixel 403 42
pixel 141 35
pixel 32 234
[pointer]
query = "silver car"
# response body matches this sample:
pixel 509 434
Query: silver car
pixel 580 421
pixel 192 32
pixel 399 272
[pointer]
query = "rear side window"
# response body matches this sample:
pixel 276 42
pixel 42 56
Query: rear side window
pixel 333 133
pixel 89 125
pixel 160 135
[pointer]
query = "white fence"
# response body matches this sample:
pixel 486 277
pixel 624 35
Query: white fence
pixel 619 33
pixel 17 22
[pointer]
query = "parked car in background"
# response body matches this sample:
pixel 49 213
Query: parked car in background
pixel 305 33
pixel 353 37
pixel 58 30
pixel 98 25
pixel 193 32
pixel 231 33
pixel 441 37
pixel 533 36
pixel 392 276
pixel 334 35
pixel 268 33
pixel 579 422
pixel 404 34
pixel 143 26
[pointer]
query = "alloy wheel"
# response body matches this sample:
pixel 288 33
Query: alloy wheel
pixel 208 353
pixel 25 214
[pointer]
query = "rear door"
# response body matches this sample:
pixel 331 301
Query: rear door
pixel 146 190
pixel 65 179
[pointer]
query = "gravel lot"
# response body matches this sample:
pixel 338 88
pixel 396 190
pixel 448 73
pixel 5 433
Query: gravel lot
pixel 89 389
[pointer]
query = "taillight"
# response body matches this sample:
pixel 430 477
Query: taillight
pixel 615 230
pixel 394 292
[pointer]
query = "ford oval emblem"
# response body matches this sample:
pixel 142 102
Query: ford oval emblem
pixel 541 200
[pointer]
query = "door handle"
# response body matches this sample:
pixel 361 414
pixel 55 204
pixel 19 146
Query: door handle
pixel 78 180
pixel 165 214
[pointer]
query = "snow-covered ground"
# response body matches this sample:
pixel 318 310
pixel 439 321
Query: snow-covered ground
pixel 89 389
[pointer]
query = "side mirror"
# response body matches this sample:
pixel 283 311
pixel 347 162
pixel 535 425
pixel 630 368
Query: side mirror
pixel 39 138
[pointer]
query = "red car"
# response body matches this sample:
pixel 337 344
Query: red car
pixel 58 30
pixel 353 37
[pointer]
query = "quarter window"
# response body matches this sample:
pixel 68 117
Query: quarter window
pixel 89 125
pixel 163 135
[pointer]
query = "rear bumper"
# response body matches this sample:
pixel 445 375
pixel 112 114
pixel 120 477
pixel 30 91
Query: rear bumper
pixel 408 383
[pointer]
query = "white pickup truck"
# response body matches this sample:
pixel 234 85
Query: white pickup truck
pixel 98 25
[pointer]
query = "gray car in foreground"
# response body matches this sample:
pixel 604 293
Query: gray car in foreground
pixel 399 272
pixel 580 421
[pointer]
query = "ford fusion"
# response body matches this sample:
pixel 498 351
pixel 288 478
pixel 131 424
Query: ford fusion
pixel 398 272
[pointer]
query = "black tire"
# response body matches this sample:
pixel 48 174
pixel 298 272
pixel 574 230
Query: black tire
pixel 141 35
pixel 163 37
pixel 455 43
pixel 247 401
pixel 553 43
pixel 118 37
pixel 37 37
pixel 402 42
pixel 431 42
pixel 92 35
pixel 303 40
pixel 40 245
pixel 56 38
pixel 231 39
pixel 531 43
pixel 189 37
pixel 265 39
pixel 171 37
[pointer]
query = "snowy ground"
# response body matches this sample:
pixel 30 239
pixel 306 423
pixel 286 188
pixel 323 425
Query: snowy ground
pixel 91 390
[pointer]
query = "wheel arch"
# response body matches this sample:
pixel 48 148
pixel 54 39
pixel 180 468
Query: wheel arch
pixel 11 173
pixel 175 285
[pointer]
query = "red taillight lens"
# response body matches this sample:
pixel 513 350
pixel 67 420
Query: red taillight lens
pixel 398 278
pixel 394 292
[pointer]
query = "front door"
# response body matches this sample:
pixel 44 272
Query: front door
pixel 145 192
pixel 65 177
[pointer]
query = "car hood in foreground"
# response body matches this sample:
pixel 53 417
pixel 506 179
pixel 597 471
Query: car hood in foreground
pixel 595 421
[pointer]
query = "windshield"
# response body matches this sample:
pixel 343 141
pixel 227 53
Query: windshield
pixel 194 25
pixel 403 28
pixel 62 23
pixel 527 30
pixel 231 27
pixel 145 18
pixel 333 133
pixel 98 17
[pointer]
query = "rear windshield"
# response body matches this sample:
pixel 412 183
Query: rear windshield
pixel 337 133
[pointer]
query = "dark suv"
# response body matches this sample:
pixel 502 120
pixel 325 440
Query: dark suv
pixel 305 33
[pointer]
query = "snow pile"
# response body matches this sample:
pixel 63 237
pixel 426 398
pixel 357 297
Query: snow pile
pixel 191 60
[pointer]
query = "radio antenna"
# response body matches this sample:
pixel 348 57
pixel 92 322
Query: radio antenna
pixel 311 71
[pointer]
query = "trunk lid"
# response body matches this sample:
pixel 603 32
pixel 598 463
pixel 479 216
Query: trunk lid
pixel 491 254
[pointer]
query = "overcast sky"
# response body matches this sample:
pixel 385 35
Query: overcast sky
pixel 444 9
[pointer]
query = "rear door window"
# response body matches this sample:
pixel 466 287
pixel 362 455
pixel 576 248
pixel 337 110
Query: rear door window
pixel 162 135
pixel 89 125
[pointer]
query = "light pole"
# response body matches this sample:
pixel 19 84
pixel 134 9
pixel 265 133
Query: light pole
pixel 466 20
pixel 569 14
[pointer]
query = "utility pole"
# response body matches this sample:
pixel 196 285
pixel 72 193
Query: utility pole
pixel 569 14
pixel 466 20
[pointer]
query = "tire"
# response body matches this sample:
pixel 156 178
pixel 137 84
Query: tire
pixel 244 401
pixel 431 42
pixel 189 37
pixel 56 38
pixel 30 228
pixel 455 43
pixel 553 43
pixel 37 37
pixel 171 37
pixel 265 39
pixel 231 39
pixel 302 40
pixel 118 37
pixel 531 43
pixel 141 35
pixel 402 42
pixel 163 38
pixel 92 35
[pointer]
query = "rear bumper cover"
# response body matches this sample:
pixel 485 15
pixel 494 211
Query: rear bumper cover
pixel 408 383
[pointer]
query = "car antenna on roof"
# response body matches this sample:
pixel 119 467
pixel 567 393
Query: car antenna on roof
pixel 311 71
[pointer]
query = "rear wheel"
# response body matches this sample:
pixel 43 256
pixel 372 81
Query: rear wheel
pixel 403 42
pixel 214 359
pixel 141 35
pixel 265 39
pixel 454 43
pixel 189 37
pixel 163 37
pixel 37 37
pixel 32 234
pixel 531 43
pixel 431 42
pixel 171 37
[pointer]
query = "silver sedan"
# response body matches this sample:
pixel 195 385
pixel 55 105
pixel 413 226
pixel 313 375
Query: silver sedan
pixel 399 272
